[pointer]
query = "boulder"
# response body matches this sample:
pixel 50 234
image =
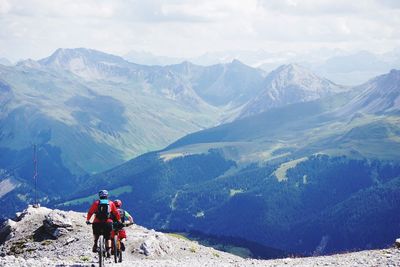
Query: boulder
pixel 20 215
pixel 57 224
pixel 6 230
pixel 397 243
pixel 156 245
pixel 58 219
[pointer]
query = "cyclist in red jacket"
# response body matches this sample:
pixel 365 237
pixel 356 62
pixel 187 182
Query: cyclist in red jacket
pixel 126 219
pixel 102 223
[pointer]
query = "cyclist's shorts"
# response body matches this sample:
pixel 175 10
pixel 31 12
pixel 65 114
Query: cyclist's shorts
pixel 103 228
pixel 121 234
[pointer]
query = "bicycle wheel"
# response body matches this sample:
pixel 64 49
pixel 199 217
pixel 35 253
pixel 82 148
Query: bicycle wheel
pixel 115 248
pixel 119 251
pixel 101 249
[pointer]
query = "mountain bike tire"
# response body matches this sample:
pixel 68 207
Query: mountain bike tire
pixel 115 248
pixel 119 252
pixel 101 250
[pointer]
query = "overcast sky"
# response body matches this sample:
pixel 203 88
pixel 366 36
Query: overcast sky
pixel 187 28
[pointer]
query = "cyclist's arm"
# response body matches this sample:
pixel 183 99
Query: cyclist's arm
pixel 91 211
pixel 130 218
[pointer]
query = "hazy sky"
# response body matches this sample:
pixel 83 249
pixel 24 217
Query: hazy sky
pixel 35 28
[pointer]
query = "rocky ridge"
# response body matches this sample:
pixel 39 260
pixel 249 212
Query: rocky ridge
pixel 287 85
pixel 380 95
pixel 45 237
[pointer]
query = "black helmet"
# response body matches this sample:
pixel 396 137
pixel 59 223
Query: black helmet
pixel 103 194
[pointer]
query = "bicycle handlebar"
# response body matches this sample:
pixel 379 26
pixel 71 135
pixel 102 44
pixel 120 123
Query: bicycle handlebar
pixel 126 224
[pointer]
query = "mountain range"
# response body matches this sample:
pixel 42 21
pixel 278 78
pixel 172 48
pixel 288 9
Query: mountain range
pixel 343 67
pixel 313 177
pixel 277 158
pixel 89 111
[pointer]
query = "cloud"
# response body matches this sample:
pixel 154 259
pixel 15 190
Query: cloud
pixel 35 28
pixel 189 11
pixel 317 8
pixel 328 21
pixel 389 3
pixel 5 7
pixel 61 8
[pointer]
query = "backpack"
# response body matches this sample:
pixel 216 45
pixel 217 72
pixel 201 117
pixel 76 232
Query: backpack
pixel 103 210
pixel 122 215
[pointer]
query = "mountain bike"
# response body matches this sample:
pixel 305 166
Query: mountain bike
pixel 116 244
pixel 101 249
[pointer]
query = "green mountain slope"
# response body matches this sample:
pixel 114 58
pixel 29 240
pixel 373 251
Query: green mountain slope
pixel 89 111
pixel 287 178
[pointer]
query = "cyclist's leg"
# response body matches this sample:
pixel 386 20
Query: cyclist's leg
pixel 112 238
pixel 96 233
pixel 122 237
pixel 107 228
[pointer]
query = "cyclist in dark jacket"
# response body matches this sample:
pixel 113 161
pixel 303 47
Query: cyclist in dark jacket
pixel 102 223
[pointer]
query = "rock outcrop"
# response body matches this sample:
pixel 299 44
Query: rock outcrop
pixel 45 237
pixel 156 245
pixel 57 224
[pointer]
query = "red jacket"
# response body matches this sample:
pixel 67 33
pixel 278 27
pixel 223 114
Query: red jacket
pixel 94 207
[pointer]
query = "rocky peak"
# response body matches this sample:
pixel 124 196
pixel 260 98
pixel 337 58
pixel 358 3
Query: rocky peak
pixel 28 63
pixel 238 66
pixel 236 62
pixel 290 84
pixel 294 74
pixel 185 68
pixel 60 57
pixel 395 74
pixel 390 81
pixel 65 58
pixel 379 95
pixel 87 63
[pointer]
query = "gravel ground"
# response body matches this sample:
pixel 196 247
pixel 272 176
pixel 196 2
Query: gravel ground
pixel 65 240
